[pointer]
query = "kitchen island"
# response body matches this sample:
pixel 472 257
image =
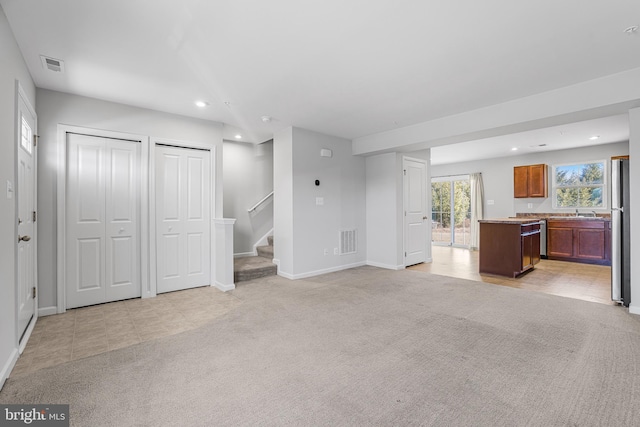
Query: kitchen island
pixel 509 246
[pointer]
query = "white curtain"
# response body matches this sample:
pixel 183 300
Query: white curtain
pixel 477 203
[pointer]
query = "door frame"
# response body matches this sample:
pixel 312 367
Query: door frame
pixel 61 201
pixel 152 286
pixel 22 95
pixel 427 183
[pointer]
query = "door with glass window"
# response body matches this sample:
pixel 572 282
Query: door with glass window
pixel 451 211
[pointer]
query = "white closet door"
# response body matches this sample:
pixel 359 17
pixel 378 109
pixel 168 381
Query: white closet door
pixel 183 247
pixel 102 241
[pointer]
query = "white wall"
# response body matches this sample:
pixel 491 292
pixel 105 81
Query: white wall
pixel 59 108
pixel 385 206
pixel 316 228
pixel 634 179
pixel 283 243
pixel 497 176
pixel 248 177
pixel 12 69
pixel 383 240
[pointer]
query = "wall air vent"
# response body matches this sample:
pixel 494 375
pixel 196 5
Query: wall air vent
pixel 52 64
pixel 348 242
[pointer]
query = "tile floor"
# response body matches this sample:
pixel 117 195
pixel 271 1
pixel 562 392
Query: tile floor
pixel 567 279
pixel 87 331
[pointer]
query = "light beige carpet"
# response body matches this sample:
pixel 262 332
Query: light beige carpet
pixel 366 347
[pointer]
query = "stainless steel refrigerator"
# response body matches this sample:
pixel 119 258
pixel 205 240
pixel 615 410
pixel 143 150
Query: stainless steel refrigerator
pixel 620 261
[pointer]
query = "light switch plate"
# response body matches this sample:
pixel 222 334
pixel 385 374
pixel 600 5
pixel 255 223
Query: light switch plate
pixel 9 190
pixel 490 202
pixel 319 201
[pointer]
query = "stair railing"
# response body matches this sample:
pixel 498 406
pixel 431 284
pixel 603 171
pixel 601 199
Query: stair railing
pixel 262 201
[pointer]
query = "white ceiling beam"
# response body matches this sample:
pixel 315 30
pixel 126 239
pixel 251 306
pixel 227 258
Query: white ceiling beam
pixel 602 97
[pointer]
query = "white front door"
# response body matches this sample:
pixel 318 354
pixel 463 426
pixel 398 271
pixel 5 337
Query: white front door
pixel 183 247
pixel 102 220
pixel 415 211
pixel 26 215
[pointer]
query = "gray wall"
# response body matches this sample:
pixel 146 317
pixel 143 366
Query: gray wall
pixel 497 176
pixel 309 229
pixel 12 69
pixel 248 177
pixel 59 108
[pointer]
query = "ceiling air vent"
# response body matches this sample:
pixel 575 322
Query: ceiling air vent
pixel 52 64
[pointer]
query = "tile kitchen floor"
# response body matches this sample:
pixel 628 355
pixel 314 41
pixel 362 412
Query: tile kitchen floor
pixel 568 279
pixel 87 331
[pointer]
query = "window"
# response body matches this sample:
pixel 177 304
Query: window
pixel 580 185
pixel 25 136
pixel 451 211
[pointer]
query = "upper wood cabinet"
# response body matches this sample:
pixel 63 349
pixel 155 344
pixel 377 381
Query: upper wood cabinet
pixel 530 181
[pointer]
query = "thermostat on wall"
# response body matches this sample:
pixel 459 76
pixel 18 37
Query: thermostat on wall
pixel 325 152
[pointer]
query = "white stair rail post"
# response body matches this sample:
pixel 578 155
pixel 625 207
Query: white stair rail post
pixel 224 254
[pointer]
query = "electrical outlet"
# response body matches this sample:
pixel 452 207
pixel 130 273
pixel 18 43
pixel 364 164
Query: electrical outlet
pixel 529 205
pixel 326 251
pixel 335 251
pixel 490 202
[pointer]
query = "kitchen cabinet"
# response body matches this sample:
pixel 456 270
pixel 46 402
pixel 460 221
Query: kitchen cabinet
pixel 510 246
pixel 579 240
pixel 530 181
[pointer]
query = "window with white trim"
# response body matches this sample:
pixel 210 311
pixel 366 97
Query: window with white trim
pixel 580 185
pixel 26 135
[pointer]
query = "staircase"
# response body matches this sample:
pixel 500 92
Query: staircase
pixel 254 267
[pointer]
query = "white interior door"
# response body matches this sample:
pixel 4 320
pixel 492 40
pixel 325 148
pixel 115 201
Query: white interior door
pixel 102 220
pixel 415 211
pixel 26 215
pixel 183 248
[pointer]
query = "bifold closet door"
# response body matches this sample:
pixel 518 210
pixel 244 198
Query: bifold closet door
pixel 183 198
pixel 102 220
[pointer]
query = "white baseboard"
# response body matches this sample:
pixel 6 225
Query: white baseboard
pixel 244 254
pixel 8 366
pixel 634 309
pixel 47 311
pixel 225 288
pixel 319 272
pixel 387 266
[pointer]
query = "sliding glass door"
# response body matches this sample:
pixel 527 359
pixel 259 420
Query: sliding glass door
pixel 451 211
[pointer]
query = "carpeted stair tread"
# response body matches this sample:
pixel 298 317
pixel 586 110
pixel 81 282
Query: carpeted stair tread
pixel 254 267
pixel 265 251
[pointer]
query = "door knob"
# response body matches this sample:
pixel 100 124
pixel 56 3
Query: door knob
pixel 424 217
pixel 23 238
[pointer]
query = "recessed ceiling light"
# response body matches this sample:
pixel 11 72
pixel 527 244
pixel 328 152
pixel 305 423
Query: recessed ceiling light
pixel 594 137
pixel 266 119
pixel 514 149
pixel 238 136
pixel 201 104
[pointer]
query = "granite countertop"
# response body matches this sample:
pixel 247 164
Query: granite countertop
pixel 521 221
pixel 577 218
pixel 565 216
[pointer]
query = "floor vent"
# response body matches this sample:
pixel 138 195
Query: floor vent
pixel 348 242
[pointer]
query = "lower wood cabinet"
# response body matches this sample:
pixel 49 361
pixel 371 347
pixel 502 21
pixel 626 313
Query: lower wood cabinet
pixel 586 241
pixel 508 248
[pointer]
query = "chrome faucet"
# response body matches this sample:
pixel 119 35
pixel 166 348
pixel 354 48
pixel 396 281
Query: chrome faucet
pixel 576 212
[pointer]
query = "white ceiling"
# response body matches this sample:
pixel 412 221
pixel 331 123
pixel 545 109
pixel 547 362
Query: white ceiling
pixel 345 68
pixel 608 129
